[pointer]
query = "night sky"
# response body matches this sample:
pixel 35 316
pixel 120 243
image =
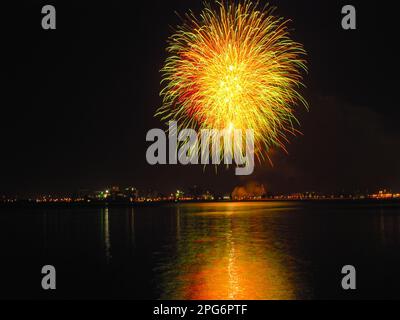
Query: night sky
pixel 79 100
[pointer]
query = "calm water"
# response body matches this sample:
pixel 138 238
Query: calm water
pixel 275 250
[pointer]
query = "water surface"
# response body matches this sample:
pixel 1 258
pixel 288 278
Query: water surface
pixel 260 250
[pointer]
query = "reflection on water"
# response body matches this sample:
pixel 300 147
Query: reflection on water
pixel 225 253
pixel 106 227
pixel 389 228
pixel 272 250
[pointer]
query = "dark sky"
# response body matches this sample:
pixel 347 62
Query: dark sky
pixel 79 100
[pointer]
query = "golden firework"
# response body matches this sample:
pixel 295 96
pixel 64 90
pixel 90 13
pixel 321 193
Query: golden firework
pixel 234 67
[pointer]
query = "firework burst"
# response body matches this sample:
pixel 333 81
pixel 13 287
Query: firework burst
pixel 234 66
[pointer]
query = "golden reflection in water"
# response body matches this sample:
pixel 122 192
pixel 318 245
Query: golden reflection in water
pixel 106 233
pixel 226 253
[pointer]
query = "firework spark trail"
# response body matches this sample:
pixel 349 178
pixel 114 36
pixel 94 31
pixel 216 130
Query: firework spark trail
pixel 234 67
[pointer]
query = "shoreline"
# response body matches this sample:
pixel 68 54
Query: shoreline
pixel 106 204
